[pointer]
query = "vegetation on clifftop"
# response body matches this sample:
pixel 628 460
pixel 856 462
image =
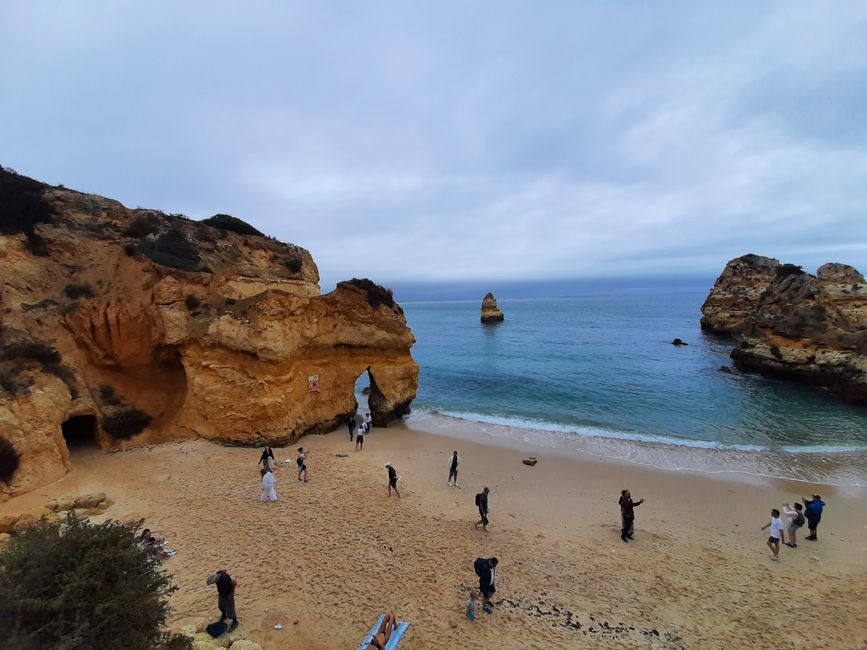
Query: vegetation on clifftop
pixel 233 224
pixel 376 294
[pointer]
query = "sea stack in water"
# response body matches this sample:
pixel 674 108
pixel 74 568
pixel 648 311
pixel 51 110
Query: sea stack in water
pixel 127 327
pixel 490 312
pixel 801 326
pixel 736 291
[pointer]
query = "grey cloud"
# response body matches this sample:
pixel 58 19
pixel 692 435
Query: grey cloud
pixel 416 141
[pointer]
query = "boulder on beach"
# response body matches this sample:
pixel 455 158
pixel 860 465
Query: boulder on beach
pixel 490 311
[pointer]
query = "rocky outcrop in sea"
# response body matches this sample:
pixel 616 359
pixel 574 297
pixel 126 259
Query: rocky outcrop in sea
pixel 490 311
pixel 129 327
pixel 799 326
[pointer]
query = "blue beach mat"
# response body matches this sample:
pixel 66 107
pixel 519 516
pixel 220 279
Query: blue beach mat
pixel 396 636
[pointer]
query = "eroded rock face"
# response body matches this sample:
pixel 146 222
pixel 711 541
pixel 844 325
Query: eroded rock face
pixel 810 328
pixel 237 345
pixel 490 312
pixel 736 291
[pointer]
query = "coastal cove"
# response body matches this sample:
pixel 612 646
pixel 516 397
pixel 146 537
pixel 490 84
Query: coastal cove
pixel 591 366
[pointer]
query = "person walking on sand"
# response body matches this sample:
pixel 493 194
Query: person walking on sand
pixel 813 513
pixel 350 424
pixel 454 461
pixel 482 505
pixel 267 456
pixel 392 479
pixel 359 437
pixel 301 463
pixel 486 569
pixel 776 526
pixel 627 515
pixel 268 480
pixel 225 596
pixel 796 520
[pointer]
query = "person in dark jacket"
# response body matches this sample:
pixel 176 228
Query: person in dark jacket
pixel 627 515
pixel 225 596
pixel 482 505
pixel 267 456
pixel 392 479
pixel 350 424
pixel 813 513
pixel 486 569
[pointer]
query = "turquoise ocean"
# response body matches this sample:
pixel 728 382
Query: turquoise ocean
pixel 590 365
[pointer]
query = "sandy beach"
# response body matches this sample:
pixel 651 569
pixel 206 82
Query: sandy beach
pixel 331 554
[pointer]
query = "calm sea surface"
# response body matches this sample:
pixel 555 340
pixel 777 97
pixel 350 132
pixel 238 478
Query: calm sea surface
pixel 598 362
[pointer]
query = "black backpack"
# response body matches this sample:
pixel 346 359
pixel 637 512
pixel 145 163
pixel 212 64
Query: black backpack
pixel 798 521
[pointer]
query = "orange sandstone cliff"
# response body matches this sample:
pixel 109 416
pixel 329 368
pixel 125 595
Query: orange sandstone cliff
pixel 126 327
pixel 791 324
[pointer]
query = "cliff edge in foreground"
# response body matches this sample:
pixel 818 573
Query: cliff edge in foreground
pixel 128 326
pixel 792 324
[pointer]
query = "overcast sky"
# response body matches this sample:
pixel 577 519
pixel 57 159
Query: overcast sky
pixel 407 141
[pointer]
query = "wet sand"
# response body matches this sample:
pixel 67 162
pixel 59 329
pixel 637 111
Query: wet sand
pixel 331 554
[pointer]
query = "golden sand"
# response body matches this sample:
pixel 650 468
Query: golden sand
pixel 331 554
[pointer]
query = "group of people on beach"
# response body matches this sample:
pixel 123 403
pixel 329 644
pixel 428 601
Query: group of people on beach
pixel 810 513
pixel 359 430
pixel 268 480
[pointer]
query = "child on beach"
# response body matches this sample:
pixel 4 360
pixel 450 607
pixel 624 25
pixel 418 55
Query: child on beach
pixel 471 605
pixel 796 520
pixel 776 526
pixel 301 463
pixel 359 436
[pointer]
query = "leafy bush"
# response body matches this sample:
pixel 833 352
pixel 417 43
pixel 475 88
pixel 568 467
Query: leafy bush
pixel 233 224
pixel 36 245
pixel 174 250
pixel 33 350
pixel 10 459
pixel 75 585
pixel 22 205
pixel 293 264
pixel 142 226
pixel 192 302
pixel 78 291
pixel 376 294
pixel 125 423
pixel 786 270
pixel 108 396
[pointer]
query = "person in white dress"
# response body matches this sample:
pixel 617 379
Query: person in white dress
pixel 268 480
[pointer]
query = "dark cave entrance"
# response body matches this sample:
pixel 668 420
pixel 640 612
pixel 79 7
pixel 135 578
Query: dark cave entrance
pixel 79 432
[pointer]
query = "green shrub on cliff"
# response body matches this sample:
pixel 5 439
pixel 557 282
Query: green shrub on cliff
pixel 75 585
pixel 376 295
pixel 125 423
pixel 233 224
pixel 174 250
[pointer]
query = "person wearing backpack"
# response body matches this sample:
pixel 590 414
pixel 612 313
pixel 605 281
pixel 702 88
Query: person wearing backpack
pixel 813 512
pixel 486 569
pixel 796 520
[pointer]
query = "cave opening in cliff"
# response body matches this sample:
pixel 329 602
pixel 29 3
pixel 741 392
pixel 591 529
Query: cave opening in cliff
pixel 362 393
pixel 79 432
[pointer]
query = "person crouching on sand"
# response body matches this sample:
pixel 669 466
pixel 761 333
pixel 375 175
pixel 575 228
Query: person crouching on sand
pixel 627 515
pixel 301 463
pixel 392 479
pixel 268 480
pixel 482 505
pixel 776 526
